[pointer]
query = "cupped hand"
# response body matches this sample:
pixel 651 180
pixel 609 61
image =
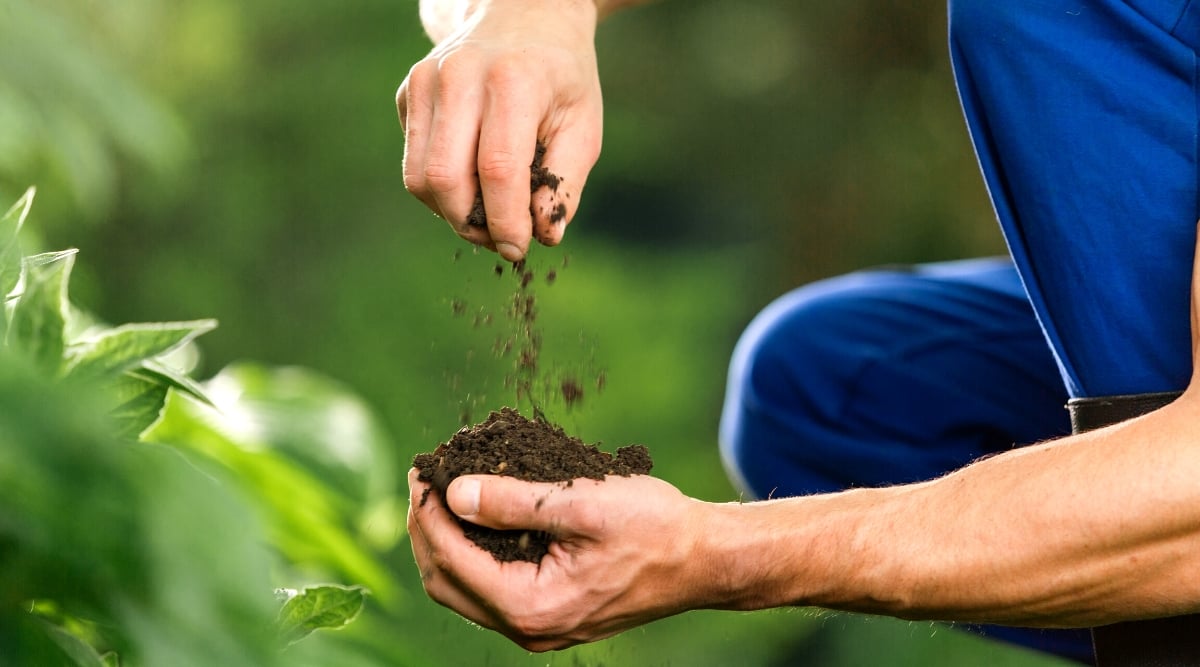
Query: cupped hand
pixel 622 556
pixel 473 110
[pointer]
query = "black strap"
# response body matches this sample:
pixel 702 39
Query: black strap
pixel 1163 642
pixel 1092 413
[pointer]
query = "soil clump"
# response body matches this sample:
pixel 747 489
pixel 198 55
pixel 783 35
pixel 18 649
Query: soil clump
pixel 507 443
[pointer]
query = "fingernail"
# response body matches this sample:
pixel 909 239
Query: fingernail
pixel 464 497
pixel 509 251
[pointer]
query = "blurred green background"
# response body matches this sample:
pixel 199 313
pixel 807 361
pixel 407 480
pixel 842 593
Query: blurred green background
pixel 216 158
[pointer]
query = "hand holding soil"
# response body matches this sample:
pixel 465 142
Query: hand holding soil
pixel 475 108
pixel 622 555
pixel 508 444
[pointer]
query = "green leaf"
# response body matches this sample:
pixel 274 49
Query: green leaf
pixel 309 517
pixel 138 402
pixel 127 346
pixel 172 378
pixel 77 650
pixel 10 249
pixel 39 316
pixel 316 607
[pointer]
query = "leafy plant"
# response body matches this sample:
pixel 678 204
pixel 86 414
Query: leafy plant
pixel 317 607
pixel 114 551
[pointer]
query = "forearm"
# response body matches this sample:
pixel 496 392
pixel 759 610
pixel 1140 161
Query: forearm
pixel 442 17
pixel 1082 531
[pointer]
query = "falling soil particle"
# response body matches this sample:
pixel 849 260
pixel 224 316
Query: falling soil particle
pixel 508 444
pixel 572 391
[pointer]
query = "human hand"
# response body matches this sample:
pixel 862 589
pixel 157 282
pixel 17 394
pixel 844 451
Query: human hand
pixel 473 110
pixel 622 556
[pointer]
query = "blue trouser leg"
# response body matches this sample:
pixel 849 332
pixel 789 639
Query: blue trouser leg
pixel 1084 117
pixel 884 377
pixel 888 376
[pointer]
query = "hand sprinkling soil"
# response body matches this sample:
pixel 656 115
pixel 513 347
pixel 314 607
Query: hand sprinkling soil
pixel 539 177
pixel 507 443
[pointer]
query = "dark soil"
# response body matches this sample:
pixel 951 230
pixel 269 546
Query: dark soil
pixel 506 443
pixel 539 177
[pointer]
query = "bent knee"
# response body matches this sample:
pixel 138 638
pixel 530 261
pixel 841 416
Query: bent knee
pixel 793 373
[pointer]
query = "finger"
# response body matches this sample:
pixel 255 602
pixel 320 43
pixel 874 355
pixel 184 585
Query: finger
pixel 506 503
pixel 437 575
pixel 441 588
pixel 458 574
pixel 570 156
pixel 449 161
pixel 507 140
pixel 414 105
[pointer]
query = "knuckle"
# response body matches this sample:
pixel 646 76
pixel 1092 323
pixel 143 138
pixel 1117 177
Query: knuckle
pixel 440 177
pixel 498 165
pixel 510 72
pixel 421 72
pixel 438 562
pixel 414 182
pixel 453 67
pixel 416 83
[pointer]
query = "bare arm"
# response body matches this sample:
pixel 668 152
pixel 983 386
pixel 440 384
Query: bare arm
pixel 1086 530
pixel 1082 531
pixel 503 76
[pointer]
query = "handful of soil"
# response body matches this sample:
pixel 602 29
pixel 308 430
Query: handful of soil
pixel 506 443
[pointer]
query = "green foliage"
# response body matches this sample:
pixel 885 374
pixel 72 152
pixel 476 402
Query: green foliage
pixel 107 549
pixel 317 607
pixel 312 520
pixel 129 346
pixel 38 322
pixel 70 111
pixel 10 248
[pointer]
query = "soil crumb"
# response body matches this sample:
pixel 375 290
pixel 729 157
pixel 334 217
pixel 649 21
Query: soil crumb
pixel 506 443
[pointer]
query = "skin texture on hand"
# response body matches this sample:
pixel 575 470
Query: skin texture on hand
pixel 505 76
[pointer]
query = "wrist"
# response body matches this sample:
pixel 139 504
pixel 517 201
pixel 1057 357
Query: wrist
pixel 808 551
pixel 443 18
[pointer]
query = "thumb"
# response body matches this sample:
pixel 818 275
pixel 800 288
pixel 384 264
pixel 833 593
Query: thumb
pixel 504 503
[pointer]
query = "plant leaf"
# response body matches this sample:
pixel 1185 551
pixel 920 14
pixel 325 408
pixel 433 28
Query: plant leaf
pixel 316 607
pixel 39 316
pixel 169 377
pixel 128 345
pixel 10 249
pixel 77 650
pixel 138 402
